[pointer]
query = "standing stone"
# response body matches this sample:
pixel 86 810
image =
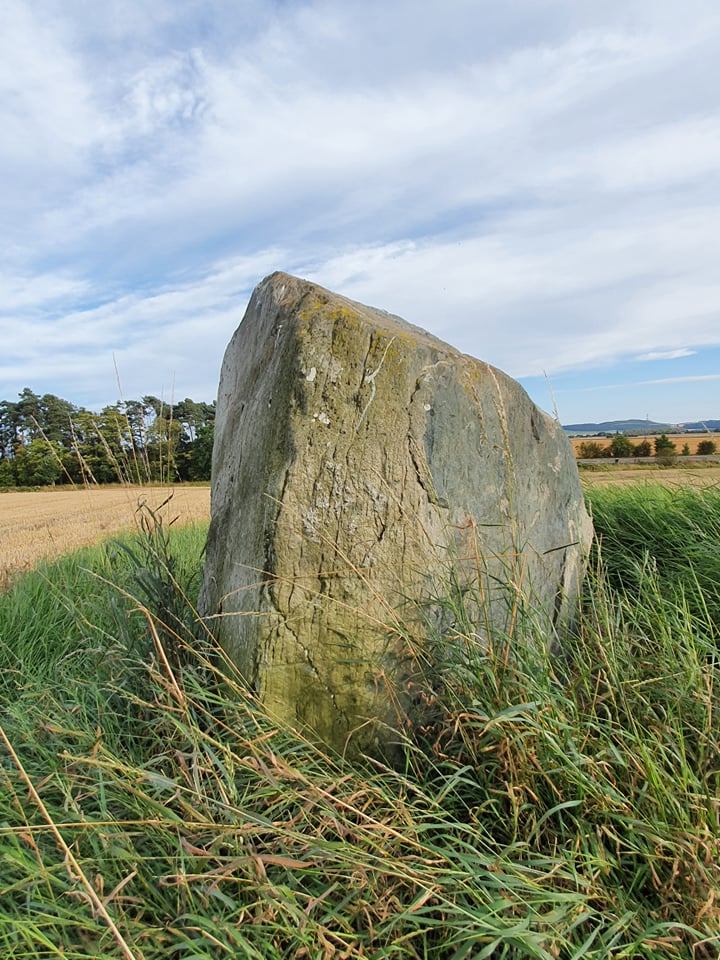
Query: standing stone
pixel 362 470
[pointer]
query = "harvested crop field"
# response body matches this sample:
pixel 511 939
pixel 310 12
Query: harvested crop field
pixel 686 476
pixel 50 523
pixel 46 524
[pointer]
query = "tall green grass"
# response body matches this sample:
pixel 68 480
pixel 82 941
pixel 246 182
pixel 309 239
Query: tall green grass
pixel 553 807
pixel 652 534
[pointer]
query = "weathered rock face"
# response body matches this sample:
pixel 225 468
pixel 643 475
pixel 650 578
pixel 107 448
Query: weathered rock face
pixel 360 466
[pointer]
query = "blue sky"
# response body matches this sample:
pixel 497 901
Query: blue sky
pixel 535 181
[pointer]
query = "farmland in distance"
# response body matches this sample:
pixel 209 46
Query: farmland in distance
pixel 45 524
pixel 679 439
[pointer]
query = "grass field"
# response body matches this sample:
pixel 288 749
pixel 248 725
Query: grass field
pixel 51 522
pixel 556 807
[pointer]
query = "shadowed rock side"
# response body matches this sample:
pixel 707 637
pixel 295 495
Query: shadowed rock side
pixel 360 466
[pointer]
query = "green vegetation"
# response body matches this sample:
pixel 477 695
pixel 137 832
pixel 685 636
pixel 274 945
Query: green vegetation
pixel 665 450
pixel 554 807
pixel 592 450
pixel 620 446
pixel 666 540
pixel 642 449
pixel 45 440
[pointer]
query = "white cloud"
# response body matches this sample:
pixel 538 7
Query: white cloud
pixel 155 339
pixel 666 355
pixel 46 113
pixel 696 379
pixel 534 182
pixel 535 296
pixel 33 293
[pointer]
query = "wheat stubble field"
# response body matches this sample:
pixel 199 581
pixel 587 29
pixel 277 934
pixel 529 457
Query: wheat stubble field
pixel 696 475
pixel 46 524
pixel 40 525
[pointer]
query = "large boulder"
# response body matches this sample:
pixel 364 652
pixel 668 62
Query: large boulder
pixel 364 474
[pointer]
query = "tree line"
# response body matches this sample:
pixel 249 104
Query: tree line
pixel 622 446
pixel 46 440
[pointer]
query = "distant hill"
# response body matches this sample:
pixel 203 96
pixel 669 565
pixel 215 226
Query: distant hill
pixel 620 426
pixel 702 425
pixel 639 426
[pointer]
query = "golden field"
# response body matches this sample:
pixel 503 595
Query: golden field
pixel 691 474
pixel 46 524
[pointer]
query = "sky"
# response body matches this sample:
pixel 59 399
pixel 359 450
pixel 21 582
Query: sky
pixel 536 182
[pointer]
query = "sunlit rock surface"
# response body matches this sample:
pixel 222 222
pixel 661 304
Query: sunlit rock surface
pixel 362 470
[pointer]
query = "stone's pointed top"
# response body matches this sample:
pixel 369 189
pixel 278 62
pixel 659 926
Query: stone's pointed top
pixel 279 287
pixel 287 290
pixel 280 282
pixel 365 474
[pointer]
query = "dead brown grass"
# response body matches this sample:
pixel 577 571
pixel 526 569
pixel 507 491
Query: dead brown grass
pixel 46 524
